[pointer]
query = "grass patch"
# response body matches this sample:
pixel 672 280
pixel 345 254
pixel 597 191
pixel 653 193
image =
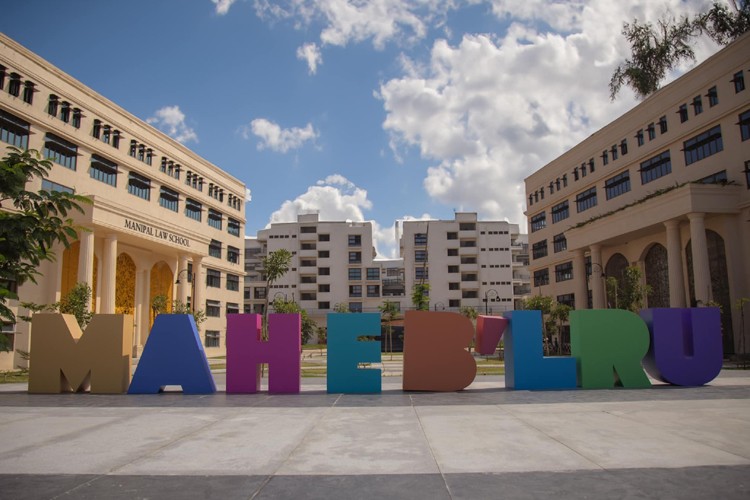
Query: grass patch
pixel 490 370
pixel 13 377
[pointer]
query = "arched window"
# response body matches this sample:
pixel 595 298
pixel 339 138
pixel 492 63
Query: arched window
pixel 657 276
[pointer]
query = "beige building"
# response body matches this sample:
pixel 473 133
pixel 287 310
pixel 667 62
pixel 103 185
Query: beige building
pixel 665 187
pixel 466 262
pixel 160 215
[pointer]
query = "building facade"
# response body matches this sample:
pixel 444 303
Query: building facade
pixel 334 266
pixel 161 215
pixel 666 188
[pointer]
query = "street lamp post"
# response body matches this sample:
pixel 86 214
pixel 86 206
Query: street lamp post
pixel 191 280
pixel 487 300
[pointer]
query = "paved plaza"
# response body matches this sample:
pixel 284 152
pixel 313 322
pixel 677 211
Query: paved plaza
pixel 484 442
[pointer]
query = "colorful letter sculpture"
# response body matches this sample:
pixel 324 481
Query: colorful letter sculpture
pixel 526 367
pixel 435 355
pixel 345 353
pixel 173 355
pixel 246 351
pixel 686 345
pixel 607 342
pixel 489 332
pixel 66 359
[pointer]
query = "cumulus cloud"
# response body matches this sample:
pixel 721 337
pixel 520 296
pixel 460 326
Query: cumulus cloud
pixel 248 195
pixel 275 138
pixel 171 121
pixel 310 53
pixel 222 6
pixel 490 110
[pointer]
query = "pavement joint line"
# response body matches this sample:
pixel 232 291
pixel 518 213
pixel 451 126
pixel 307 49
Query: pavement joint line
pixel 429 445
pixel 85 483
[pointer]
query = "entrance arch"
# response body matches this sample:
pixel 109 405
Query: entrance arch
pixel 615 268
pixel 657 275
pixel 125 285
pixel 161 284
pixel 69 274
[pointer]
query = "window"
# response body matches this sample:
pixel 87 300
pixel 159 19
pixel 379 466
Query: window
pixel 452 236
pixel 467 226
pixel 567 299
pixel 65 112
pixel 452 269
pixel 453 252
pixel 683 112
pixel 697 105
pixel 50 186
pixel 324 254
pixel 233 283
pixel 653 168
pixel 13 130
pixel 233 308
pixel 324 271
pixel 586 199
pixel 739 82
pixel 663 125
pixel 541 277
pixel 2 76
pixel 744 124
pixel 213 278
pixel 60 151
pixel 28 92
pixel 308 230
pixel 103 170
pixel 560 243
pixel 538 221
pixel 373 290
pixel 324 288
pixel 193 209
pixel 613 151
pixel 467 244
pixel 106 134
pixel 747 173
pixel 651 131
pixel 213 338
pixel 214 218
pixel 324 237
pixel 560 212
pixel 713 97
pixel 420 255
pixel 605 161
pixel 639 137
pixel 355 273
pixel 575 174
pixel 617 185
pixel 169 199
pixel 139 186
pixel 355 290
pixel 355 240
pixel 214 249
pixel 539 249
pixel 14 87
pixel 133 147
pixel 233 255
pixel 717 178
pixel 76 118
pixel 564 272
pixel 355 257
pixel 703 145
pixel 96 131
pixel 213 308
pixel 421 273
pixel 373 273
pixel 420 239
pixel 233 226
pixel 355 307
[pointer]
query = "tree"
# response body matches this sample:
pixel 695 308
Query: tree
pixel 389 312
pixel 420 297
pixel 341 308
pixel 545 304
pixel 282 306
pixel 160 305
pixel 469 312
pixel 78 303
pixel 31 224
pixel 273 267
pixel 629 294
pixel 560 313
pixel 658 49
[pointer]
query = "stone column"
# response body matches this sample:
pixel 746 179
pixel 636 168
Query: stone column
pixel 674 261
pixel 701 272
pixel 579 279
pixel 199 285
pixel 183 288
pixel 597 272
pixel 86 259
pixel 109 271
pixel 142 308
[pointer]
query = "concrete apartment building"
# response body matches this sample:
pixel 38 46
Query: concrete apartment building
pixel 160 213
pixel 665 187
pixel 334 265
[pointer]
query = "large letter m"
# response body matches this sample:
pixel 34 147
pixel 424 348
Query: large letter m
pixel 65 359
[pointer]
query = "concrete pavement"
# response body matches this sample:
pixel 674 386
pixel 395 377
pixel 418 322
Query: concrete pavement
pixel 485 442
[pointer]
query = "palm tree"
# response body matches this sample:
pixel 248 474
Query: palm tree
pixel 274 266
pixel 389 313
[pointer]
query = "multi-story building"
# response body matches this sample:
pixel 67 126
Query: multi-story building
pixel 665 187
pixel 466 262
pixel 160 214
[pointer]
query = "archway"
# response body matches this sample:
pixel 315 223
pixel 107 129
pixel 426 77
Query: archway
pixel 69 273
pixel 717 267
pixel 657 275
pixel 615 268
pixel 161 284
pixel 125 285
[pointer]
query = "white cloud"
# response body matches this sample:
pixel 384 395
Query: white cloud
pixel 491 110
pixel 248 195
pixel 310 53
pixel 275 138
pixel 222 6
pixel 171 121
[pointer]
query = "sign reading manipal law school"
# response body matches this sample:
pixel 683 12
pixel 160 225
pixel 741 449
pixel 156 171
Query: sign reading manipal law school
pixel 156 232
pixel 609 347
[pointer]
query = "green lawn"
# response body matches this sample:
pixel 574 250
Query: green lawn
pixel 13 377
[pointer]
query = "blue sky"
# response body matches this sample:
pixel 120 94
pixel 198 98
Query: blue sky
pixel 365 110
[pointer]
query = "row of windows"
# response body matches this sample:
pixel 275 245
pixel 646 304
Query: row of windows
pixel 355 273
pixel 15 85
pixel 563 272
pixel 712 95
pixel 213 310
pixel 233 253
pixel 213 280
pixel 67 113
